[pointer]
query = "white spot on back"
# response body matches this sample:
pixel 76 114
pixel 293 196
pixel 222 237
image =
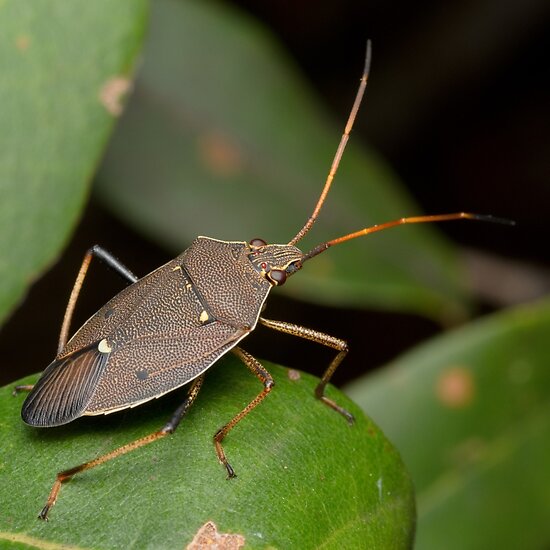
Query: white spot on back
pixel 204 316
pixel 104 346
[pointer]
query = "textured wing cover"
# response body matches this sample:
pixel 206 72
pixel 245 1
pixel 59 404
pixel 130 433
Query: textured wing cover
pixel 161 333
pixel 168 338
pixel 65 388
pixel 148 368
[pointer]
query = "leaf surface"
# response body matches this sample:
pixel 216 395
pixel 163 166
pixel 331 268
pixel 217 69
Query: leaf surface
pixel 65 67
pixel 306 479
pixel 470 413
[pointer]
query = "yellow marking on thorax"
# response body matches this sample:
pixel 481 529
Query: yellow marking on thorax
pixel 204 317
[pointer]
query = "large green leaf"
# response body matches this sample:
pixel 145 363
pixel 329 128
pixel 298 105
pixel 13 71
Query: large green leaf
pixel 63 67
pixel 306 479
pixel 223 138
pixel 471 414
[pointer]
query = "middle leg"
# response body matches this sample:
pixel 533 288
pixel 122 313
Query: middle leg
pixel 168 428
pixel 326 340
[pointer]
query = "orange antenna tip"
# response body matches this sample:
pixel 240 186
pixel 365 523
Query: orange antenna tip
pixel 401 221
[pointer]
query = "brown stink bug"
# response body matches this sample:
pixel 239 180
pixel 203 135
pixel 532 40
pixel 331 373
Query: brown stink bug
pixel 168 328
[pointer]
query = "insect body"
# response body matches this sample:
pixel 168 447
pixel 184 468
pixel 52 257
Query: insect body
pixel 160 332
pixel 165 330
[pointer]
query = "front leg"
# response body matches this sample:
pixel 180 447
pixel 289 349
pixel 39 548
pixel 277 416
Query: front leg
pixel 168 428
pixel 326 340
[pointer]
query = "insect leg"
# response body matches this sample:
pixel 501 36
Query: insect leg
pixel 326 340
pixel 265 378
pixel 112 262
pixel 98 252
pixel 24 387
pixel 168 428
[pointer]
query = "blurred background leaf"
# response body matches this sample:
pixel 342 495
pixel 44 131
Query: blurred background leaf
pixel 306 479
pixel 470 412
pixel 223 138
pixel 387 271
pixel 60 89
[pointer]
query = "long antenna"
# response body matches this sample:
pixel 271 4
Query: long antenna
pixel 414 219
pixel 340 151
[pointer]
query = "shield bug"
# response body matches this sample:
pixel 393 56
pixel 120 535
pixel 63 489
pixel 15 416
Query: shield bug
pixel 167 329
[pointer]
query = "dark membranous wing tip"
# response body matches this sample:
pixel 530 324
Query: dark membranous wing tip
pixel 65 388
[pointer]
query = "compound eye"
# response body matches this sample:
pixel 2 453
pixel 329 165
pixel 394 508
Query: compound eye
pixel 257 243
pixel 278 276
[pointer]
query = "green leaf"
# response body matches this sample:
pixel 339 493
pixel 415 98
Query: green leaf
pixel 306 479
pixel 63 66
pixel 471 414
pixel 223 138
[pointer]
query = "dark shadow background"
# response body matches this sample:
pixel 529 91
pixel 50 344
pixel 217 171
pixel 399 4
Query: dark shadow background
pixel 458 104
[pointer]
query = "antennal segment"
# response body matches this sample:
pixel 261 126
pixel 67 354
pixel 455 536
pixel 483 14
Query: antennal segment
pixel 401 221
pixel 340 151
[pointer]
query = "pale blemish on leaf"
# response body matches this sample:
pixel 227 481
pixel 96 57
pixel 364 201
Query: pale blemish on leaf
pixel 293 374
pixel 220 155
pixel 22 42
pixel 208 536
pixel 113 92
pixel 455 387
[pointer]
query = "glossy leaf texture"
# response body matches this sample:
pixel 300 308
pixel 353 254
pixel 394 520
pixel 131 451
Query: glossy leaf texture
pixel 470 412
pixel 65 67
pixel 306 479
pixel 224 138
